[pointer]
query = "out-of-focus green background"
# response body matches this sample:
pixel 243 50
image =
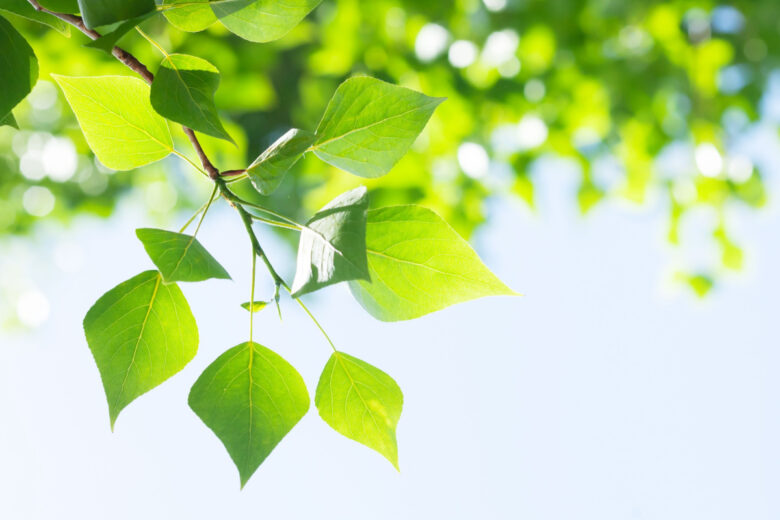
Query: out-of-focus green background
pixel 644 99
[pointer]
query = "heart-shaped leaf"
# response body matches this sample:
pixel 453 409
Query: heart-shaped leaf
pixel 268 170
pixel 332 247
pixel 360 402
pixel 369 125
pixel 251 398
pixel 117 119
pixel 19 67
pixel 104 12
pixel 262 20
pixel 183 91
pixel 419 264
pixel 141 332
pixel 180 257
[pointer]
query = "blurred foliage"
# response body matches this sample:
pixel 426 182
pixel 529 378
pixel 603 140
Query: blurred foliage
pixel 611 86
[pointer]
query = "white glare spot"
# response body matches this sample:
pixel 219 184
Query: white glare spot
pixel 59 159
pixel 32 308
pixel 534 90
pixel 463 53
pixel 474 160
pixel 431 42
pixel 494 5
pixel 38 201
pixel 708 160
pixel 531 132
pixel 43 96
pixel 509 69
pixel 500 47
pixel 739 168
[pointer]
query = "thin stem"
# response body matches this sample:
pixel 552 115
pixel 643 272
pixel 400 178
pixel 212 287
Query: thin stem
pixel 206 210
pixel 189 161
pixel 275 223
pixel 252 297
pixel 150 40
pixel 271 212
pixel 317 323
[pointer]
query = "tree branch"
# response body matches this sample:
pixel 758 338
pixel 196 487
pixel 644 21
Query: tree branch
pixel 132 62
pixel 136 66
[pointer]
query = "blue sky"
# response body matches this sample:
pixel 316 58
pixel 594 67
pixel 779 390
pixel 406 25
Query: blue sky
pixel 606 392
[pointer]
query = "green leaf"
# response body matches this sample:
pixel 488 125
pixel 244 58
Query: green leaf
pixel 418 265
pixel 268 170
pixel 117 119
pixel 9 120
pixel 105 12
pixel 192 16
pixel 19 67
pixel 262 20
pixel 183 91
pixel 61 6
pixel 369 125
pixel 360 402
pixel 107 42
pixel 332 247
pixel 180 257
pixel 251 398
pixel 141 332
pixel 256 306
pixel 25 10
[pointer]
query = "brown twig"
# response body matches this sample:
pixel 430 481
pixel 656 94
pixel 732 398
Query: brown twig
pixel 136 66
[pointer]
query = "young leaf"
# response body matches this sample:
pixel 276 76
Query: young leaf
pixel 332 246
pixel 256 306
pixel 183 91
pixel 19 67
pixel 9 120
pixel 251 398
pixel 141 332
pixel 418 265
pixel 360 402
pixel 268 170
pixel 107 42
pixel 105 12
pixel 180 257
pixel 117 119
pixel 189 15
pixel 369 125
pixel 24 9
pixel 262 20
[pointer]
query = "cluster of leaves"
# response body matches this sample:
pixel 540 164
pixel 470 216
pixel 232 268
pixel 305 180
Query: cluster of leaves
pixel 580 65
pixel 401 262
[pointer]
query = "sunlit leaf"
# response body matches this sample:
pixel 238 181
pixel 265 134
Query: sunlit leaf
pixel 268 170
pixel 117 119
pixel 360 402
pixel 189 15
pixel 183 91
pixel 24 9
pixel 18 66
pixel 105 12
pixel 9 120
pixel 418 265
pixel 262 20
pixel 180 257
pixel 141 332
pixel 256 306
pixel 369 125
pixel 251 398
pixel 332 246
